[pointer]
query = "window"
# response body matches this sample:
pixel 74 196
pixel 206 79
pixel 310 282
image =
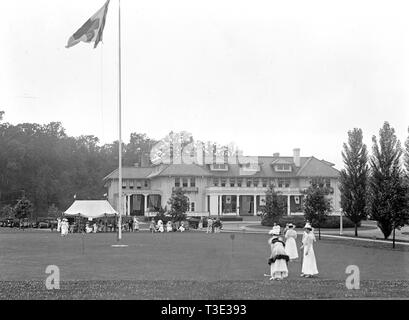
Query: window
pixel 146 183
pixel 216 182
pixel 184 182
pixel 123 184
pixel 239 181
pixel 232 182
pixel 321 182
pixel 131 184
pixel 256 182
pixel 248 183
pixel 264 183
pixel 223 182
pixel 177 182
pixel 138 185
pixel 283 183
pixel 219 167
pixel 192 182
pixel 283 167
pixel 192 206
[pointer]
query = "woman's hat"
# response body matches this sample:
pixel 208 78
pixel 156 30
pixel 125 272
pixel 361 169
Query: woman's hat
pixel 290 225
pixel 307 226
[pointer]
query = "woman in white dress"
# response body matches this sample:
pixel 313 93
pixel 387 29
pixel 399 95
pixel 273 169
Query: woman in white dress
pixel 290 243
pixel 135 224
pixel 278 259
pixel 169 226
pixel 309 264
pixel 58 225
pixel 64 227
pixel 160 226
pixel 182 227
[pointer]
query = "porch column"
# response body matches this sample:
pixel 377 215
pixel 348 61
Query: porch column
pixel 128 213
pixel 288 206
pixel 238 205
pixel 220 205
pixel 145 204
pixel 255 205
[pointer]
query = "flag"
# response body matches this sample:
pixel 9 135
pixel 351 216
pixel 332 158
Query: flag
pixel 91 31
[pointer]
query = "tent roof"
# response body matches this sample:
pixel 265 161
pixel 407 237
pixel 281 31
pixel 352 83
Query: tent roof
pixel 90 208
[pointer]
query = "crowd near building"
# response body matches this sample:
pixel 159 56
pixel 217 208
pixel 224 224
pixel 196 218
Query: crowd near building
pixel 223 188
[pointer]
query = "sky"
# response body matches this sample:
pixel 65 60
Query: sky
pixel 268 76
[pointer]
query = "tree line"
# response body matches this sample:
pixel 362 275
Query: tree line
pixel 44 165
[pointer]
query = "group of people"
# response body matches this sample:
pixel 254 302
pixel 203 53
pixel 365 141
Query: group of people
pixel 285 250
pixel 169 227
pixel 213 225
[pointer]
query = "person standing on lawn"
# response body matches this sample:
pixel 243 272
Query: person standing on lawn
pixel 278 259
pixel 135 224
pixel 152 226
pixel 200 227
pixel 209 225
pixel 309 264
pixel 290 243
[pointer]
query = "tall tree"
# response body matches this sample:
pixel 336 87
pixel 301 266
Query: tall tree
pixel 406 156
pixel 23 208
pixel 353 179
pixel 274 208
pixel 179 204
pixel 388 202
pixel 316 206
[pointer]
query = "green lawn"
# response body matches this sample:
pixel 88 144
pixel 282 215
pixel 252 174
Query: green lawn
pixel 191 265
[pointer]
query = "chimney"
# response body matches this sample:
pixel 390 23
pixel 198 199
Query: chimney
pixel 276 155
pixel 296 156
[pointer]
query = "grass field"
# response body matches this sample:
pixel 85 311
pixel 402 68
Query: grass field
pixel 191 265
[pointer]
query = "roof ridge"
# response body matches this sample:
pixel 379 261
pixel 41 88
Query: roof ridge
pixel 303 166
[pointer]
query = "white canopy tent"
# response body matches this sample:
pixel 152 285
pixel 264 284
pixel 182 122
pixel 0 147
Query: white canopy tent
pixel 90 209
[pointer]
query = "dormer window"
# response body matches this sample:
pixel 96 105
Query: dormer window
pixel 219 167
pixel 283 167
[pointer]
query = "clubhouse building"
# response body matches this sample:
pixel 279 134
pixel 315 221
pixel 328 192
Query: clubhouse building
pixel 222 188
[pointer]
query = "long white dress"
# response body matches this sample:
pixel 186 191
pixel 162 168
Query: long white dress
pixel 278 268
pixel 309 264
pixel 169 227
pixel 64 228
pixel 290 244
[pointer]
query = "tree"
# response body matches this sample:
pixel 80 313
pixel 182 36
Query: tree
pixel 23 208
pixel 7 211
pixel 353 179
pixel 316 205
pixel 53 211
pixel 179 204
pixel 388 203
pixel 406 156
pixel 274 207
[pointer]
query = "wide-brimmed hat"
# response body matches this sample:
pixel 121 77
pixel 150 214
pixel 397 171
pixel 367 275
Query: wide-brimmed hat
pixel 308 226
pixel 290 225
pixel 65 219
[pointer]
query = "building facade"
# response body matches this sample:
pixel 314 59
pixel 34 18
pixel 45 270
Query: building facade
pixel 223 188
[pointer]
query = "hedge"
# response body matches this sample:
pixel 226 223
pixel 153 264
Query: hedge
pixel 331 222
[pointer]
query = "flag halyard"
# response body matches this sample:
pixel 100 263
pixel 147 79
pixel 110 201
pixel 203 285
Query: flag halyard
pixel 91 30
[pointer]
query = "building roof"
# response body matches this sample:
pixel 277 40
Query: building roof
pixel 131 173
pixel 309 167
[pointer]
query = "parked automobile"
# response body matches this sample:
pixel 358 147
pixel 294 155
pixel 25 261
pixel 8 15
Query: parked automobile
pixel 24 224
pixel 43 224
pixel 194 222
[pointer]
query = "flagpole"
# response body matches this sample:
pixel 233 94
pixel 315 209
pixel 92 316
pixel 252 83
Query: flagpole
pixel 119 126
